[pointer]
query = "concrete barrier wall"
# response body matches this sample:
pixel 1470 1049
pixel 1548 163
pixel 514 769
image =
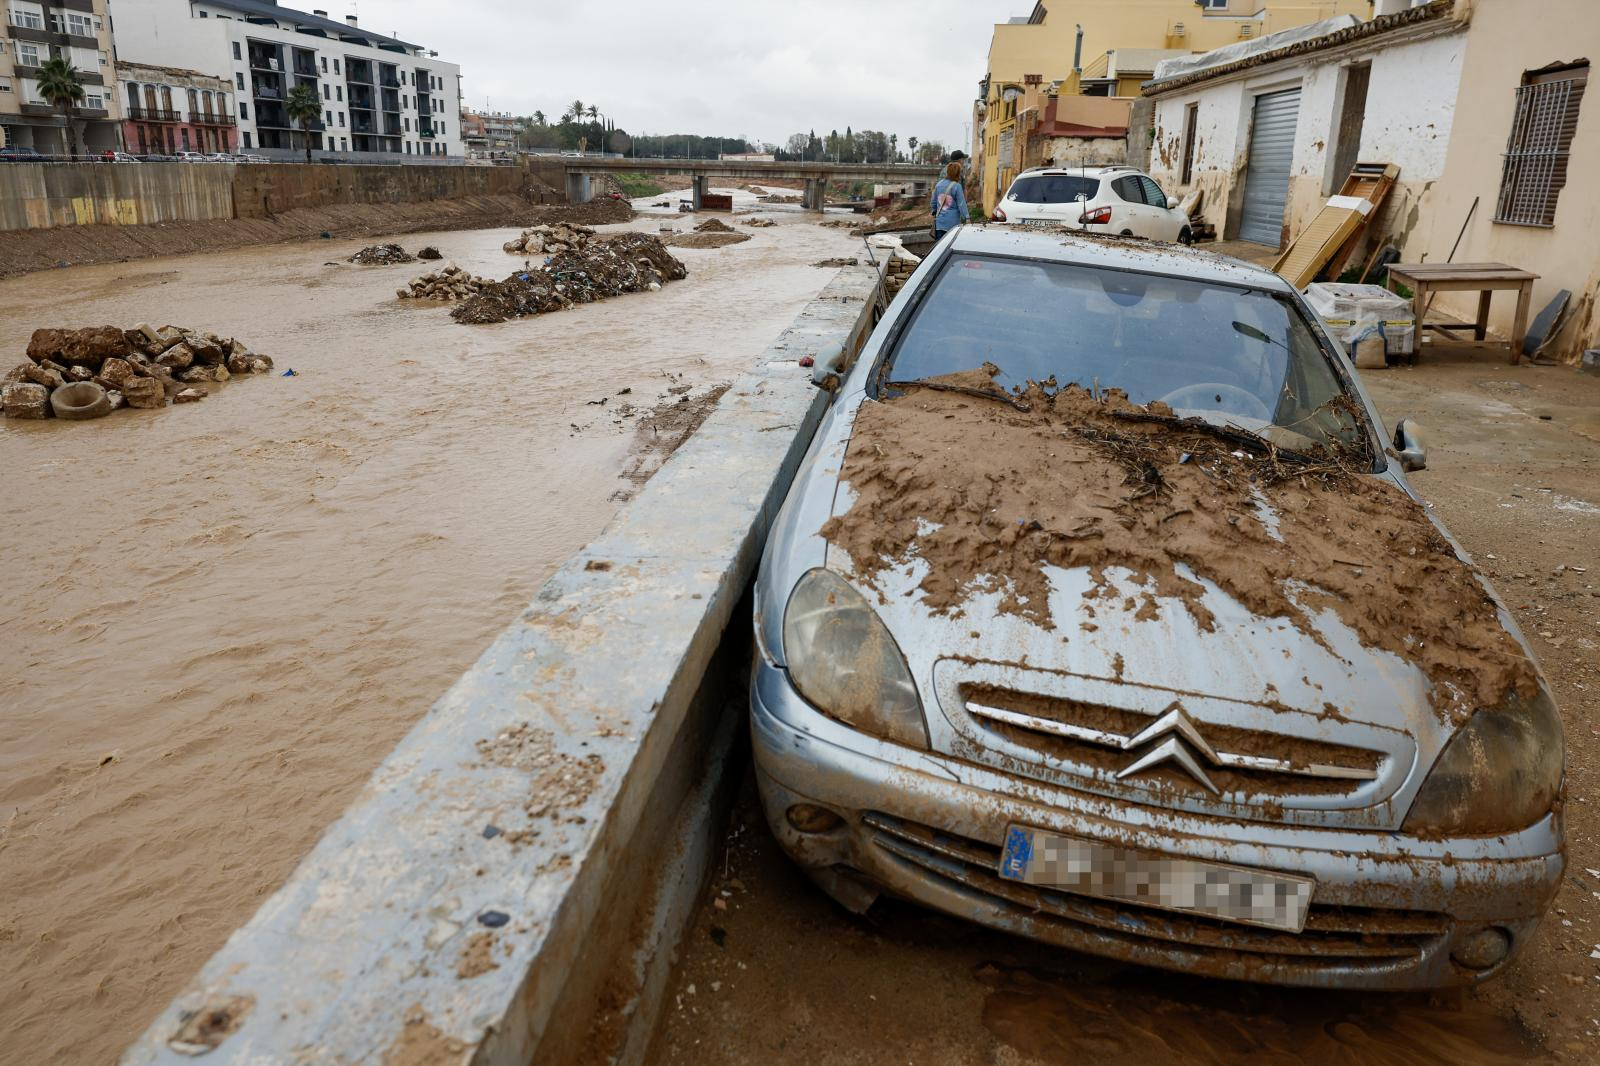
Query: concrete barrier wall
pixel 510 884
pixel 41 195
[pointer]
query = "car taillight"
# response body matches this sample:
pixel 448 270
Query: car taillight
pixel 998 216
pixel 1099 214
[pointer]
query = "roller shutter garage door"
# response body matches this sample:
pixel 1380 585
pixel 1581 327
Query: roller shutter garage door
pixel 1266 181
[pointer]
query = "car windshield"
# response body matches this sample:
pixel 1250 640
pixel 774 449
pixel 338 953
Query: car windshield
pixel 1233 356
pixel 1052 189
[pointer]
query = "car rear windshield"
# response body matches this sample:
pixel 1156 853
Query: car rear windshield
pixel 1233 356
pixel 1052 189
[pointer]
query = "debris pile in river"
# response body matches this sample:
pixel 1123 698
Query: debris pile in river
pixel 430 252
pixel 382 255
pixel 712 225
pixel 759 223
pixel 550 239
pixel 451 283
pixel 709 239
pixel 80 374
pixel 600 268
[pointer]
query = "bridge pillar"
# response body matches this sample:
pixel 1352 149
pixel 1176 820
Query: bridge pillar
pixel 702 185
pixel 815 194
pixel 577 187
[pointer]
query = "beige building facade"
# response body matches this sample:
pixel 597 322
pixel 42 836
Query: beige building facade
pixel 78 31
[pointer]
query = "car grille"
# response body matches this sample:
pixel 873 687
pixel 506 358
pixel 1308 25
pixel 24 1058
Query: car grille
pixel 1104 741
pixel 1336 935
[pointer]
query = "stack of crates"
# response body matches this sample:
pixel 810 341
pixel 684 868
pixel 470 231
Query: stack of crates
pixel 1350 311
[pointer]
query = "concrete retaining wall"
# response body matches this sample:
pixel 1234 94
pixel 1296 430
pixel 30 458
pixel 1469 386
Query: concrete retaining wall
pixel 40 195
pixel 43 195
pixel 511 882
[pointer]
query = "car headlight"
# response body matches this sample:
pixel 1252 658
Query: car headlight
pixel 1500 773
pixel 843 660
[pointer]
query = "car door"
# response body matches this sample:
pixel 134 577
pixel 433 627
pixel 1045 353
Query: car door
pixel 1165 222
pixel 1132 214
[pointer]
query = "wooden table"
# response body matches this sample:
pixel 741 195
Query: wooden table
pixel 1425 279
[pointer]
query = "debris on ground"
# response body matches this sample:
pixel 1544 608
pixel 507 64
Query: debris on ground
pixel 382 255
pixel 662 203
pixel 430 252
pixel 78 374
pixel 777 198
pixel 712 225
pixel 911 214
pixel 451 283
pixel 1175 502
pixel 599 268
pixel 840 262
pixel 713 239
pixel 838 223
pixel 551 239
pixel 664 429
pixel 899 272
pixel 760 223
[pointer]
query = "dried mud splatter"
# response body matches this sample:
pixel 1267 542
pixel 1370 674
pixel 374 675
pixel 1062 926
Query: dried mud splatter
pixel 990 489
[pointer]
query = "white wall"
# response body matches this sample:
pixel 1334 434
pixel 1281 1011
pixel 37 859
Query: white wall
pixel 1410 107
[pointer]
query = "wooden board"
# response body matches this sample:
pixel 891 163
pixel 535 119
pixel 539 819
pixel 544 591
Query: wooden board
pixel 1333 235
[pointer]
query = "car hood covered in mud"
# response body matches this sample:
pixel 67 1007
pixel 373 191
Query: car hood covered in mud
pixel 1064 572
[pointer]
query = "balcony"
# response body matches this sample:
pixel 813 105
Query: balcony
pixel 204 119
pixel 357 126
pixel 267 92
pixel 425 132
pixel 265 62
pixel 151 114
pixel 358 72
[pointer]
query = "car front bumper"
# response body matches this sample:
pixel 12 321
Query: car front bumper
pixel 1388 911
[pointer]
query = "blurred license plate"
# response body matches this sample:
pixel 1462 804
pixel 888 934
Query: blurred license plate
pixel 1088 868
pixel 1041 222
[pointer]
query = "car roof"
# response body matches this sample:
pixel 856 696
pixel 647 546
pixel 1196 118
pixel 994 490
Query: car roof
pixel 1115 253
pixel 1086 172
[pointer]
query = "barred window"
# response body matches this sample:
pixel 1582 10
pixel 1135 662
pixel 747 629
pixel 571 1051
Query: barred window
pixel 1535 165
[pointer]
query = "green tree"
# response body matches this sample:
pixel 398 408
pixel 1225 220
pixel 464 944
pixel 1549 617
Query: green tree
pixel 304 107
pixel 60 87
pixel 911 146
pixel 574 111
pixel 538 118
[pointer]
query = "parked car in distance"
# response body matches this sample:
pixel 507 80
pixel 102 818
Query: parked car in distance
pixel 1114 199
pixel 252 159
pixel 192 157
pixel 1041 641
pixel 19 154
pixel 119 157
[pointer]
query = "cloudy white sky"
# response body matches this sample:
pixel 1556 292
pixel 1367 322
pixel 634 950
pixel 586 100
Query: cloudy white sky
pixel 757 68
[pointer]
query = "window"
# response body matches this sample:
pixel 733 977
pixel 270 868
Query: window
pixel 336 66
pixel 344 144
pixel 1191 119
pixel 103 60
pixel 408 125
pixel 244 109
pixel 5 85
pixel 1052 188
pixel 238 81
pixel 27 15
pixel 236 54
pixel 245 135
pixel 324 64
pixel 329 119
pixel 338 93
pixel 1212 5
pixel 341 118
pixel 327 91
pixel 1128 188
pixel 408 148
pixel 79 25
pixel 98 25
pixel 27 54
pixel 185 133
pixel 1152 192
pixel 1535 165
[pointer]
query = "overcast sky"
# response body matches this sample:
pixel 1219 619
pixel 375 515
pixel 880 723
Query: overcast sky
pixel 757 68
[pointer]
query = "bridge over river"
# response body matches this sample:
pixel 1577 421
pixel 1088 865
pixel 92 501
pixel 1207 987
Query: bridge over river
pixel 579 169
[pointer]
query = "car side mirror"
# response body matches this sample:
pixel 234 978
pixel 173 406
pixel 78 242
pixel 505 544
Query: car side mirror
pixel 1408 444
pixel 828 367
pixel 1172 203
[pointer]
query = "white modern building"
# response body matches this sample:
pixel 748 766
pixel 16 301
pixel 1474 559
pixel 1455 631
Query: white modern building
pixel 380 95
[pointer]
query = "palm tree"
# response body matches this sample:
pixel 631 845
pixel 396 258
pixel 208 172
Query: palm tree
pixel 894 151
pixel 538 118
pixel 911 146
pixel 574 110
pixel 303 106
pixel 593 112
pixel 60 87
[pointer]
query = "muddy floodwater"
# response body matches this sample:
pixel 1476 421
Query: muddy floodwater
pixel 216 619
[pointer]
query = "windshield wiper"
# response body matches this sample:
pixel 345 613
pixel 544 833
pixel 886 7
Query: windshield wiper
pixel 1232 434
pixel 967 390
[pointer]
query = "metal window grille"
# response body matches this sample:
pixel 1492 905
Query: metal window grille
pixel 1535 163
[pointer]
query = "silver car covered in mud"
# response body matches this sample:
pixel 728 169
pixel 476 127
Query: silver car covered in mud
pixel 1100 612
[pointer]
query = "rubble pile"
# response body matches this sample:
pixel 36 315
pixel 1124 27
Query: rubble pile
pixel 600 268
pixel 713 239
pixel 550 239
pixel 712 225
pixel 840 262
pixel 759 223
pixel 777 198
pixel 451 283
pixel 899 272
pixel 86 373
pixel 430 252
pixel 382 255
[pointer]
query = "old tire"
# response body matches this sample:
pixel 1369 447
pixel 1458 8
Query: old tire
pixel 1185 237
pixel 80 400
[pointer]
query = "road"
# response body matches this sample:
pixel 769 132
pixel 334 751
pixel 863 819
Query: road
pixel 773 971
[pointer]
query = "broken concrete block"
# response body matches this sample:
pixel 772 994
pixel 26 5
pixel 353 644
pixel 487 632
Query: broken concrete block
pixel 144 392
pixel 113 372
pixel 178 357
pixel 48 377
pixel 190 395
pixel 25 400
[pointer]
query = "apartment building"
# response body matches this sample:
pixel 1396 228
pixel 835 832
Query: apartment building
pixel 1066 49
pixel 75 30
pixel 380 95
pixel 169 110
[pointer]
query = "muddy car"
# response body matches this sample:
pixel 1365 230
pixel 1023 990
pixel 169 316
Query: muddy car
pixel 1101 612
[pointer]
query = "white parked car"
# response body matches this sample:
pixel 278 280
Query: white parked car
pixel 1097 199
pixel 191 157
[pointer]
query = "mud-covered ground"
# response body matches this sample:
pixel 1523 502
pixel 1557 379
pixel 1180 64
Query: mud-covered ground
pixel 217 618
pixel 774 971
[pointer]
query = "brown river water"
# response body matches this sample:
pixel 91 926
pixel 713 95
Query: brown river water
pixel 217 619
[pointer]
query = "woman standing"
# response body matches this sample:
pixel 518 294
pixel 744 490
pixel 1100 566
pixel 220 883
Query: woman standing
pixel 949 202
